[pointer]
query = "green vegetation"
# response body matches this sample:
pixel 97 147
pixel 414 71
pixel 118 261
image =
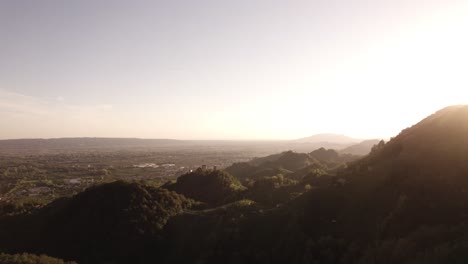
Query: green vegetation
pixel 213 187
pixel 48 176
pixel 405 202
pixel 290 164
pixel 30 259
pixel 115 220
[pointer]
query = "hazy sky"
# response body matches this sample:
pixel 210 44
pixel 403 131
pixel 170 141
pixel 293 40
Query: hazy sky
pixel 238 69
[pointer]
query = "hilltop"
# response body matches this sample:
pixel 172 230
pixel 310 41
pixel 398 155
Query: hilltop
pixel 362 148
pixel 111 221
pixel 214 187
pixel 404 202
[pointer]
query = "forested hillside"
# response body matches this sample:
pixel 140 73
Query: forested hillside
pixel 405 202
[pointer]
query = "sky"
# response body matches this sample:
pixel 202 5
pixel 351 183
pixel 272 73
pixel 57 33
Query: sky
pixel 244 69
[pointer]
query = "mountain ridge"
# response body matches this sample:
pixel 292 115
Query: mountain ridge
pixel 404 202
pixel 362 148
pixel 328 137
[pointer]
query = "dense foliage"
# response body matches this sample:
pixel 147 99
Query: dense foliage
pixel 291 164
pixel 30 259
pixel 213 187
pixel 405 202
pixel 112 221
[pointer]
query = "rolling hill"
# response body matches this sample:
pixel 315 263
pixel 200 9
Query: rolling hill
pixel 405 202
pixel 328 138
pixel 362 148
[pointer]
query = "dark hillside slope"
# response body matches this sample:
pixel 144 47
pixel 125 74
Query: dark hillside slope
pixel 405 202
pixel 111 222
pixel 362 148
pixel 289 163
pixel 214 187
pixel 415 187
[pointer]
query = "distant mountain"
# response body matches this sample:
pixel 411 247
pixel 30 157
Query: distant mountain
pixel 362 148
pixel 54 144
pixel 70 145
pixel 328 138
pixel 409 191
pixel 404 202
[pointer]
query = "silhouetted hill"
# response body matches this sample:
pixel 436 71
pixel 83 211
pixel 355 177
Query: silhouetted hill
pixel 327 141
pixel 362 148
pixel 213 187
pixel 438 145
pixel 288 163
pixel 111 222
pixel 409 191
pixel 405 202
pixel 441 138
pixel 325 155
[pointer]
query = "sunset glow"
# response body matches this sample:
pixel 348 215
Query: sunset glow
pixel 284 71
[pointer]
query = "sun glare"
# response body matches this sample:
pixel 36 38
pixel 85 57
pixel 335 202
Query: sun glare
pixel 422 67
